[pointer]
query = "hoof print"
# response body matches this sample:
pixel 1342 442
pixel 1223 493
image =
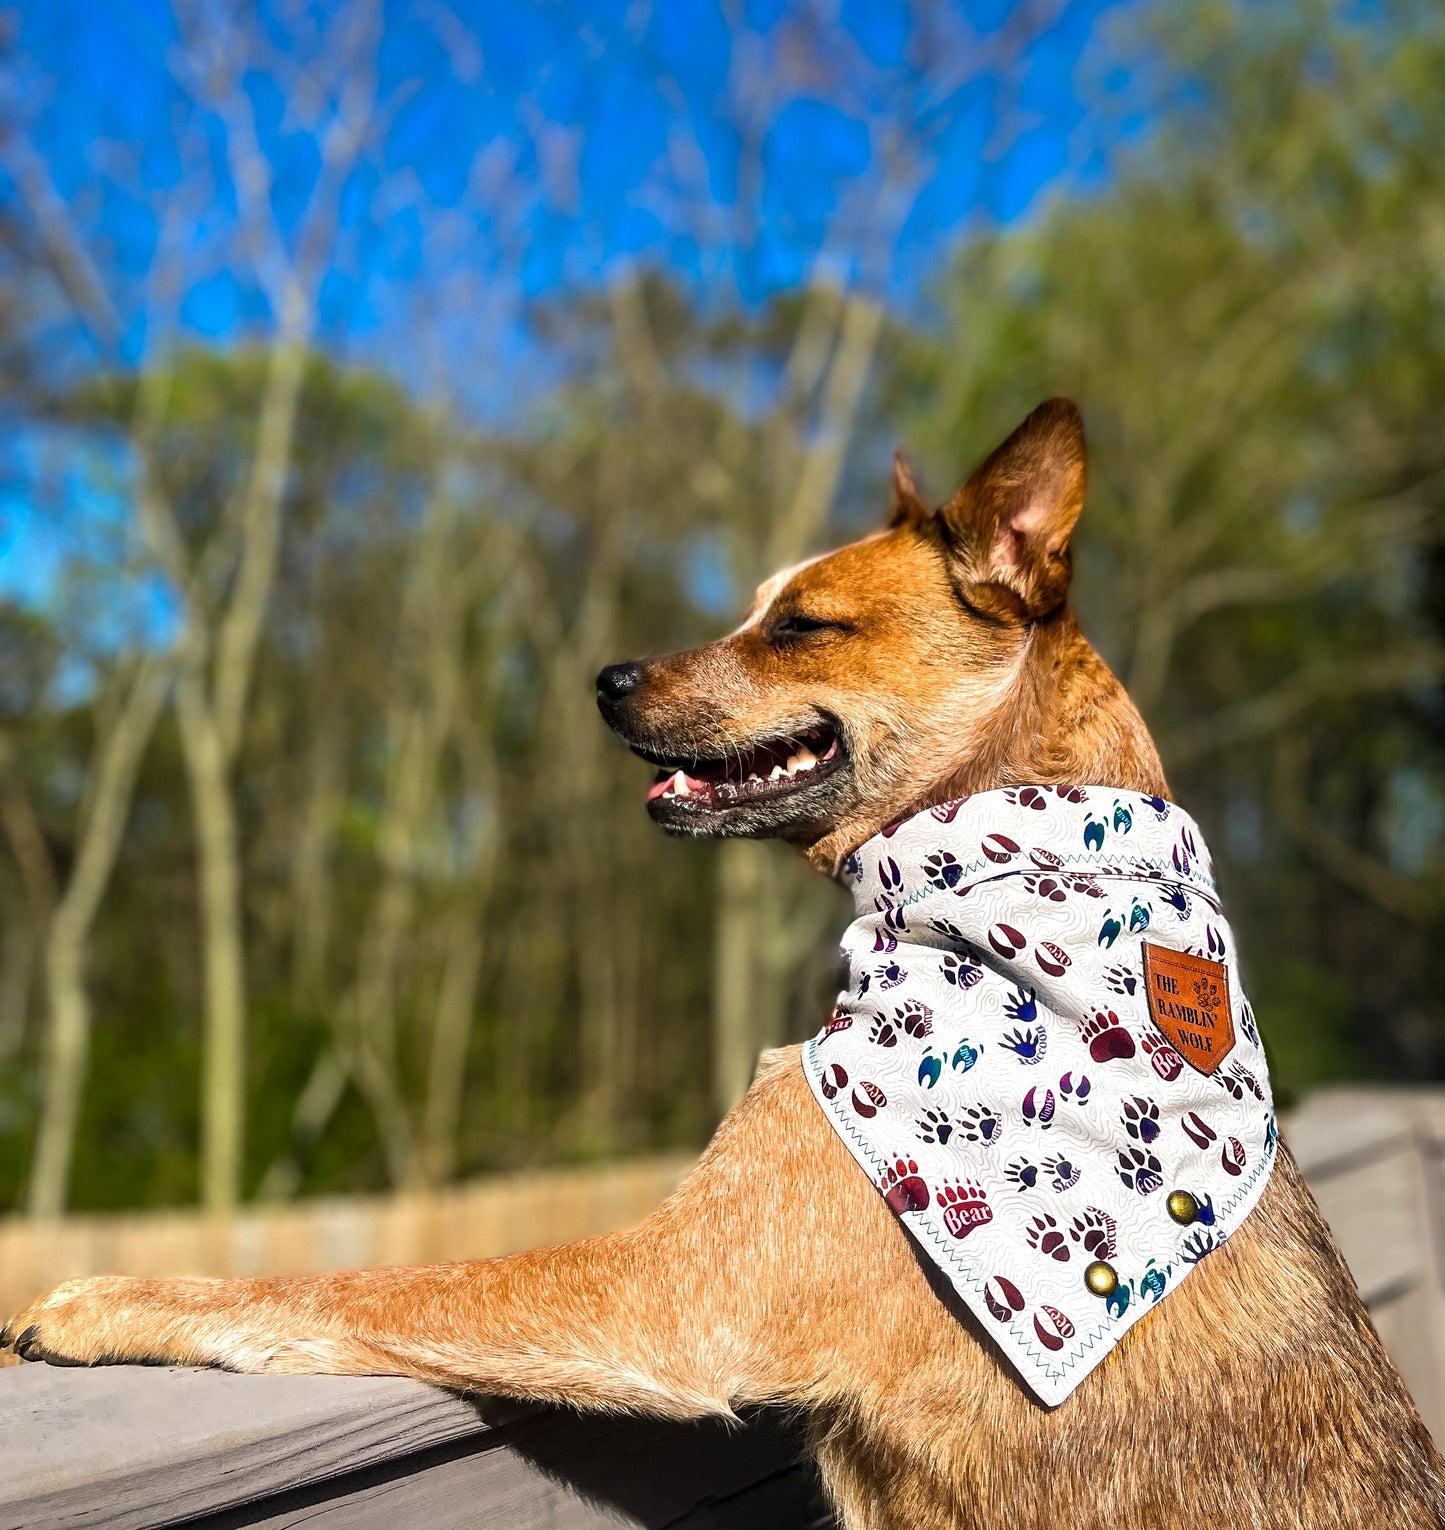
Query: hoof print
pixel 835 1078
pixel 1003 1299
pixel 1052 1327
pixel 868 1099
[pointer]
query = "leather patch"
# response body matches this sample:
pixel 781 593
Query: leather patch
pixel 1189 1002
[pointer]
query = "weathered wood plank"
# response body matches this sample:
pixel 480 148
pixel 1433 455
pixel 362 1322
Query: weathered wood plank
pixel 122 1445
pixel 133 1448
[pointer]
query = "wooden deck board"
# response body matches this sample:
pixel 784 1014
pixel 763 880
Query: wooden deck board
pixel 134 1447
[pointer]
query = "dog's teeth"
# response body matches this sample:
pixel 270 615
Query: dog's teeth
pixel 777 772
pixel 679 785
pixel 804 759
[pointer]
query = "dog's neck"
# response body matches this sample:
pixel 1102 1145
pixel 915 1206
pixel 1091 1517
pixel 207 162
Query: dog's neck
pixel 1066 718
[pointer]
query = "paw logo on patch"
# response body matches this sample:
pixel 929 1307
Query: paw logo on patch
pixel 1189 1002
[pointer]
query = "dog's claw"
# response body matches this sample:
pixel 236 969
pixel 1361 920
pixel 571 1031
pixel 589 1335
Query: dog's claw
pixel 7 1338
pixel 27 1346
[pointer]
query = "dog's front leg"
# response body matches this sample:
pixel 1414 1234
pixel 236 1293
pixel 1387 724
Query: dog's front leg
pixel 716 1299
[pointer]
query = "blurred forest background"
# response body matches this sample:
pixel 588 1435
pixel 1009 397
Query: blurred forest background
pixel 372 374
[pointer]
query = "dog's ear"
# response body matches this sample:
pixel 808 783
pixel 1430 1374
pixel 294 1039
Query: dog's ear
pixel 1007 529
pixel 908 506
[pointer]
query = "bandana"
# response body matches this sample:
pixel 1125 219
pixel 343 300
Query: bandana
pixel 1045 1061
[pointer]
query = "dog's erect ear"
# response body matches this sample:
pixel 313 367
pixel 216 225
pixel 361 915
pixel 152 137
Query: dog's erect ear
pixel 1007 529
pixel 908 506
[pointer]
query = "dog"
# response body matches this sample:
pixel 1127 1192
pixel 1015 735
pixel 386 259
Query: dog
pixel 936 658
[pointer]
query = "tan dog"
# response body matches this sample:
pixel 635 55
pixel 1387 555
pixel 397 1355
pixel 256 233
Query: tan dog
pixel 935 658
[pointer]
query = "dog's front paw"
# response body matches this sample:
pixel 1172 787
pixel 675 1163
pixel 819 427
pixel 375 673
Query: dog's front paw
pixel 113 1319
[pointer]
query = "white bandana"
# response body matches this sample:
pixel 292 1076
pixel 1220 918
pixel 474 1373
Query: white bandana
pixel 1045 1061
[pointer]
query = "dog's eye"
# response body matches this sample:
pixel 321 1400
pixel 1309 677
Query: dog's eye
pixel 800 626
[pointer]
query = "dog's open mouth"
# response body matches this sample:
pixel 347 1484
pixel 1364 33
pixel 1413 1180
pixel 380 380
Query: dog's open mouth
pixel 755 773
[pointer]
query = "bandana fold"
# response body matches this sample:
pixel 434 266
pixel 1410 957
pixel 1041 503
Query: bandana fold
pixel 1045 1061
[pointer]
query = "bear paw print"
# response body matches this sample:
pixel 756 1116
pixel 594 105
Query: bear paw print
pixel 1106 1037
pixel 1165 1061
pixel 965 1207
pixel 902 1188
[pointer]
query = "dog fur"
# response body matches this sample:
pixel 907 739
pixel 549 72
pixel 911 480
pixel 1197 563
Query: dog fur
pixel 942 657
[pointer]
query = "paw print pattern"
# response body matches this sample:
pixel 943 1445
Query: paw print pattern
pixel 962 971
pixel 916 1018
pixel 1094 1231
pixel 1237 1079
pixel 1140 1170
pixel 1022 1174
pixel 979 1124
pixel 1140 1119
pixel 1038 1106
pixel 943 870
pixel 902 1188
pixel 1121 979
pixel 1197 1245
pixel 1044 1235
pixel 1063 1173
pixel 1165 1061
pixel 893 924
pixel 839 1020
pixel 965 1055
pixel 1075 1087
pixel 1022 1005
pixel 1031 944
pixel 935 1126
pixel 1107 1039
pixel 1028 1045
pixel 1247 1023
pixel 1176 898
pixel 965 1206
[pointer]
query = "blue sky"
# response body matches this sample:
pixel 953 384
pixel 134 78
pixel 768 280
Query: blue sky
pixel 576 111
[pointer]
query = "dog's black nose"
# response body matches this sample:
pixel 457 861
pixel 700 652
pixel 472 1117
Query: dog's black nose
pixel 617 682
